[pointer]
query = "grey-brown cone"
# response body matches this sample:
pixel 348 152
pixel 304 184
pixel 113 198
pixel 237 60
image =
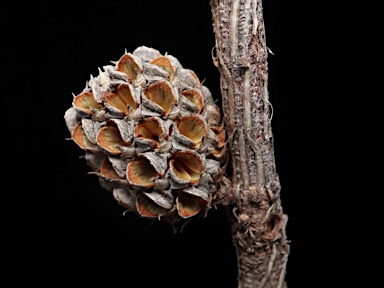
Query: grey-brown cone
pixel 152 134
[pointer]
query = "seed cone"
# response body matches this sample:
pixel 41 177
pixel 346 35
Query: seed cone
pixel 152 134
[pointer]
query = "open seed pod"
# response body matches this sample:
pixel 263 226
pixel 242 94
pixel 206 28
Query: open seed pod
pixel 190 201
pixel 115 104
pixel 108 171
pixel 149 132
pixel 146 207
pixel 80 138
pixel 194 128
pixel 130 65
pixel 125 99
pixel 195 97
pixel 188 204
pixel 165 63
pixel 161 97
pixel 186 167
pixel 85 101
pixel 141 173
pixel 109 138
pixel 152 134
pixel 128 95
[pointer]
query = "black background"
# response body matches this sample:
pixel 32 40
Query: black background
pixel 50 49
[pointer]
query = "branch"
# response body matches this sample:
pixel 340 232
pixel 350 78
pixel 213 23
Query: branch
pixel 259 226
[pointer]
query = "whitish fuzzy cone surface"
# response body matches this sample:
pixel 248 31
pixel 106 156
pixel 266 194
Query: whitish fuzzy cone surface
pixel 152 134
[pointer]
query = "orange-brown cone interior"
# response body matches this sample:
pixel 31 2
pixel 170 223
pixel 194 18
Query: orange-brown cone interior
pixel 141 172
pixel 161 94
pixel 164 63
pixel 116 101
pixel 195 97
pixel 147 208
pixel 149 128
pixel 125 95
pixel 108 137
pixel 187 166
pixel 85 101
pixel 188 205
pixel 107 170
pixel 81 139
pixel 193 127
pixel 128 65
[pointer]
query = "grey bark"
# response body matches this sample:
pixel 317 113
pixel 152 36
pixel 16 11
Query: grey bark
pixel 254 190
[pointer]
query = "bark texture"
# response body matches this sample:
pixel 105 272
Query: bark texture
pixel 259 226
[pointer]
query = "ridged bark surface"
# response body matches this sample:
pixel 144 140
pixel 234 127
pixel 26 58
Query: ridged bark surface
pixel 241 57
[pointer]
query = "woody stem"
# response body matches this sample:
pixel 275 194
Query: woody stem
pixel 241 58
